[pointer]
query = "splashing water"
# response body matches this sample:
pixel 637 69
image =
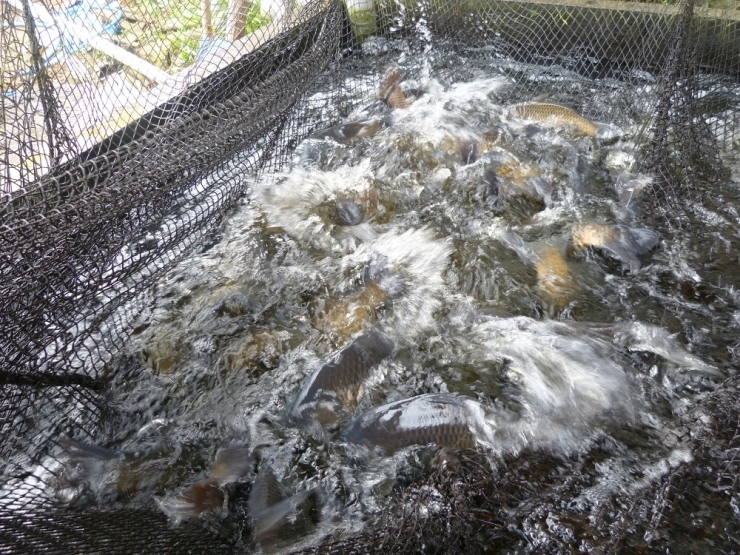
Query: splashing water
pixel 452 258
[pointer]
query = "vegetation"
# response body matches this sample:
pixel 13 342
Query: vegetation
pixel 168 33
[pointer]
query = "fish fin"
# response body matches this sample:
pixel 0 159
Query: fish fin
pixel 607 133
pixel 517 244
pixel 541 188
pixel 644 239
pixel 266 490
pixel 627 257
pixel 268 520
pixel 541 98
pixel 232 462
pixel 198 499
pixel 79 450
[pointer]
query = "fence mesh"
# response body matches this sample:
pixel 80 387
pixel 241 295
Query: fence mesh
pixel 126 130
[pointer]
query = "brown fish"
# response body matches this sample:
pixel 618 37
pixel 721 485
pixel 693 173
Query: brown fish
pixel 557 116
pixel 346 317
pixel 335 388
pixel 208 496
pixel 516 178
pixel 390 92
pixel 554 279
pixel 622 242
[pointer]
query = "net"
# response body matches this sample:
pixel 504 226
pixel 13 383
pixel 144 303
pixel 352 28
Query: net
pixel 126 131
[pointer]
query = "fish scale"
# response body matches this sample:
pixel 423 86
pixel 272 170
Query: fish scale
pixel 432 418
pixel 339 381
pixel 559 115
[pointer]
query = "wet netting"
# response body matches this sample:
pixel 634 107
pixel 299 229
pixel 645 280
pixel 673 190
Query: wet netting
pixel 127 129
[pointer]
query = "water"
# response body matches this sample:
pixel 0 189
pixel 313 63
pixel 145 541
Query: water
pixel 562 352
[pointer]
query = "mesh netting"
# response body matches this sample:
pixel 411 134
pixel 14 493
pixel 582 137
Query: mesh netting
pixel 126 131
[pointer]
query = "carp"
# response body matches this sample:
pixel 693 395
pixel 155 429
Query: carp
pixel 621 242
pixel 336 386
pixel 444 419
pixel 550 114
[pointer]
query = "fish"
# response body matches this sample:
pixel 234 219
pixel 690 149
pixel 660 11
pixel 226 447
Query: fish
pixel 622 242
pixel 550 114
pixel 554 278
pixel 345 132
pixel 346 317
pixel 336 386
pixel 443 419
pixel 348 212
pixel 269 509
pixel 390 92
pixel 513 177
pixel 208 496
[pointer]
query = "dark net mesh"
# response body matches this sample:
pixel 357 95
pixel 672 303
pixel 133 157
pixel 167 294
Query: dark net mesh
pixel 125 130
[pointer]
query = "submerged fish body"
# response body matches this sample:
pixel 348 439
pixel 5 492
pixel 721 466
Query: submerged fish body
pixel 554 278
pixel 513 177
pixel 550 114
pixel 353 130
pixel 335 387
pixel 622 242
pixel 444 419
pixel 346 317
pixel 208 496
pixel 348 212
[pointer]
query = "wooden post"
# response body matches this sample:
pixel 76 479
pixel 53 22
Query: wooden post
pixel 236 19
pixel 207 24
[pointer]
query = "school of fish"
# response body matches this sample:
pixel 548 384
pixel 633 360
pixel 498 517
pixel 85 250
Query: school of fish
pixel 342 210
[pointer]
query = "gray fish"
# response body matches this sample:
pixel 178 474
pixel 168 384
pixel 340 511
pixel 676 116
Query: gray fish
pixel 266 490
pixel 348 212
pixel 353 130
pixel 444 419
pixel 268 507
pixel 336 386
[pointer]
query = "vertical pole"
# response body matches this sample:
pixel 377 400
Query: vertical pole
pixel 207 24
pixel 236 19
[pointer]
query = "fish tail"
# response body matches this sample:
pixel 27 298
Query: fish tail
pixel 644 239
pixel 517 244
pixel 232 462
pixel 198 499
pixel 606 132
pixel 268 520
